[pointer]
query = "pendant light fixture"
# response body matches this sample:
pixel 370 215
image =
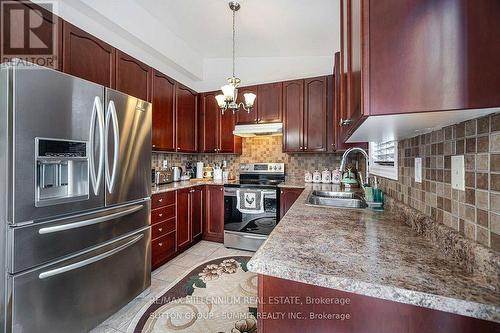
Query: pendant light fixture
pixel 229 96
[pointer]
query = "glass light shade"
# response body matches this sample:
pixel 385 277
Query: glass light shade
pixel 228 91
pixel 249 99
pixel 221 100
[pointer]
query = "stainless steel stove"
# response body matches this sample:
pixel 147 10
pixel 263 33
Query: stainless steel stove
pixel 247 228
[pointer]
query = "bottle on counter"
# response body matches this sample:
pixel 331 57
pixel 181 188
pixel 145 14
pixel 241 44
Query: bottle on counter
pixel 326 176
pixel 336 176
pixel 308 178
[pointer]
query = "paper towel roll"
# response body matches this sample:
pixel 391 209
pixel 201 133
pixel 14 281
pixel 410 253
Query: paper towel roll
pixel 199 170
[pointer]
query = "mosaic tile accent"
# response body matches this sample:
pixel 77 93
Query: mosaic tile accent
pixel 261 150
pixel 475 212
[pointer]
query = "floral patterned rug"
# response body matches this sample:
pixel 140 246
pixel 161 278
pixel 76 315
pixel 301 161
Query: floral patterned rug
pixel 219 296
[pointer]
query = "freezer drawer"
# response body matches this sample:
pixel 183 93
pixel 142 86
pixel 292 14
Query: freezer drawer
pixel 40 243
pixel 76 295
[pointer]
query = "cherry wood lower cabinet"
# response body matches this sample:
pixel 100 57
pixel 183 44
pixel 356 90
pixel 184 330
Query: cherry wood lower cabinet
pixel 214 214
pixel 284 307
pixel 197 212
pixel 287 197
pixel 163 228
pixel 183 218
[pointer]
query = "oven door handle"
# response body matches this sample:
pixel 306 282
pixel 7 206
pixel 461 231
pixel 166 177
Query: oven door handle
pixel 245 235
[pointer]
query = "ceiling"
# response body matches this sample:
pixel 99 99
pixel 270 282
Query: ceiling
pixel 264 28
pixel 190 40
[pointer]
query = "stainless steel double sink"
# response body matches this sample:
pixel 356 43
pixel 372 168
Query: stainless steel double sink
pixel 336 199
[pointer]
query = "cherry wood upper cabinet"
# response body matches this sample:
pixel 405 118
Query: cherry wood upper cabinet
pixel 183 217
pixel 305 114
pixel 208 125
pixel 186 108
pixel 88 57
pixel 293 115
pixel 17 41
pixel 197 213
pixel 216 130
pixel 133 77
pixel 242 116
pixel 163 99
pixel 228 143
pixel 269 99
pixel 427 65
pixel 399 57
pixel 315 114
pixel 214 214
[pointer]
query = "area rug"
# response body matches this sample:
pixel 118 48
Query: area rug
pixel 218 296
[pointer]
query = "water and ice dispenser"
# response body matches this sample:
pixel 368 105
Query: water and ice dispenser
pixel 62 171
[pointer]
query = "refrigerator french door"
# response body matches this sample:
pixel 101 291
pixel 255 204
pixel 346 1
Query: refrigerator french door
pixel 128 137
pixel 74 168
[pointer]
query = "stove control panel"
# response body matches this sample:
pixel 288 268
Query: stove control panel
pixel 278 168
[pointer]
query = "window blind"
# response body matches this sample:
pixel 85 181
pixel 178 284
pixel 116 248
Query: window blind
pixel 384 153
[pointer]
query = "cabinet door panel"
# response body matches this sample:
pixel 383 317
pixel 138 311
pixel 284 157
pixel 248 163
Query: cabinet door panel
pixel 244 117
pixel 183 218
pixel 270 99
pixel 214 214
pixel 186 119
pixel 227 141
pixel 287 198
pixel 429 65
pixel 293 115
pixel 132 76
pixel 315 135
pixel 163 98
pixel 87 57
pixel 209 123
pixel 196 212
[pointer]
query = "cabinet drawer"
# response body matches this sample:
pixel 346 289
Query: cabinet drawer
pixel 163 199
pixel 162 248
pixel 162 228
pixel 162 214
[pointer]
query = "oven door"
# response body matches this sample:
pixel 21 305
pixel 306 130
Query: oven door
pixel 250 223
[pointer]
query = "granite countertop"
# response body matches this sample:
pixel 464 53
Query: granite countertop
pixel 155 189
pixel 372 253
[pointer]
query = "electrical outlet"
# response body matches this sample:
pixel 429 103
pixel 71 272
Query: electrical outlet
pixel 458 172
pixel 165 164
pixel 418 169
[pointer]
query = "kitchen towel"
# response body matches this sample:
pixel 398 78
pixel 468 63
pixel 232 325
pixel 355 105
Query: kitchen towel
pixel 250 201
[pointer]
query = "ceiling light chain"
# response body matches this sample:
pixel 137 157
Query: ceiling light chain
pixel 229 96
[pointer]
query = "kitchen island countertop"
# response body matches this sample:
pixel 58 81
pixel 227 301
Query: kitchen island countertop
pixel 372 253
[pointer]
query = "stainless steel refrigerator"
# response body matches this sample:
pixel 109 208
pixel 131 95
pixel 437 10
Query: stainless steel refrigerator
pixel 75 169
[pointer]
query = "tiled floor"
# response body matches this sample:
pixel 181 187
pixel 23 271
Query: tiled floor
pixel 162 277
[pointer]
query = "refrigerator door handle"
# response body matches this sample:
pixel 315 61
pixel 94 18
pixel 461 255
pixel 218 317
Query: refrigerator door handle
pixel 112 117
pixel 97 113
pixel 68 226
pixel 88 261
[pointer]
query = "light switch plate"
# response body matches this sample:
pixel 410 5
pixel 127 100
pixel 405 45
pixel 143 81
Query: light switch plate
pixel 418 169
pixel 458 172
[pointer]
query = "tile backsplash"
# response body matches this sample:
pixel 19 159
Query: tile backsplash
pixel 261 149
pixel 475 212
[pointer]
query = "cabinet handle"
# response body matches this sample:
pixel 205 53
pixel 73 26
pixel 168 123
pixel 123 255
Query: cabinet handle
pixel 345 122
pixel 215 149
pixel 160 215
pixel 160 229
pixel 160 244
pixel 281 192
pixel 160 200
pixel 221 189
pixel 154 146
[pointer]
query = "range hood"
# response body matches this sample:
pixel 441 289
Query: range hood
pixel 258 130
